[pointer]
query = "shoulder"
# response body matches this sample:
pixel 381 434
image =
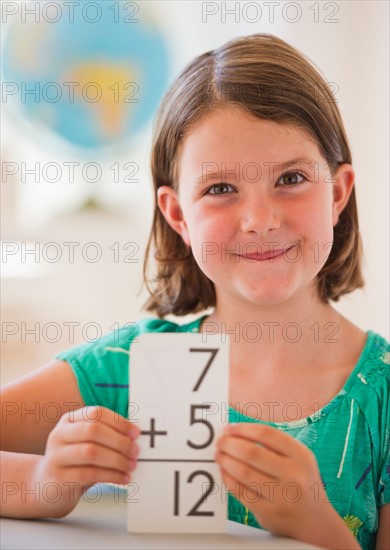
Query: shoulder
pixel 118 342
pixel 375 360
pixel 372 372
pixel 127 334
pixel 101 367
pixel 370 384
pixel 154 324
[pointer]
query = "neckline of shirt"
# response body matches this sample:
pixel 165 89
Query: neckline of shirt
pixel 354 375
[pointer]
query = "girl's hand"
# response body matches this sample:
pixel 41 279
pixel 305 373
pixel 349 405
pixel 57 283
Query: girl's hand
pixel 276 477
pixel 87 446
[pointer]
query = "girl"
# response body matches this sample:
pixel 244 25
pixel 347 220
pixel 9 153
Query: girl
pixel 256 217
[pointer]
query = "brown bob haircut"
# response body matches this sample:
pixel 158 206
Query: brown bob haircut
pixel 273 81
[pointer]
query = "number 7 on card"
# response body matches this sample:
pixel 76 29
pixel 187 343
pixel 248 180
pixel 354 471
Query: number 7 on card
pixel 179 389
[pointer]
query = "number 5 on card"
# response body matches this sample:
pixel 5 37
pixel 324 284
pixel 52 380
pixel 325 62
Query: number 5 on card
pixel 179 386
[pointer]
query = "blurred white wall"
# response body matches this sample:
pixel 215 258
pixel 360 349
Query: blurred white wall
pixel 347 41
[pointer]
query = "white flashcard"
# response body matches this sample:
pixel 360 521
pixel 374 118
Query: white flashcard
pixel 179 390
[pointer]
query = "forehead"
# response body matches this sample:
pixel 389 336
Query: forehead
pixel 232 135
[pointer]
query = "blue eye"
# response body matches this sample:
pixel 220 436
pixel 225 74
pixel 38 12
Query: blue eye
pixel 213 190
pixel 292 179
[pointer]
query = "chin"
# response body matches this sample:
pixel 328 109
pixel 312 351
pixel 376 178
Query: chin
pixel 267 296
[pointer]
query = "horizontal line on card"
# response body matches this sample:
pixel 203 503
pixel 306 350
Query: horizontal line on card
pixel 171 460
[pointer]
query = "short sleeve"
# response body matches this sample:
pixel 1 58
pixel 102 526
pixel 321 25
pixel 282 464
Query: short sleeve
pixel 384 482
pixel 101 368
pixel 384 428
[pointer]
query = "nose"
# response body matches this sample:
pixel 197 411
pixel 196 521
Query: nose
pixel 259 212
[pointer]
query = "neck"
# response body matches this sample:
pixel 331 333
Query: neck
pixel 279 336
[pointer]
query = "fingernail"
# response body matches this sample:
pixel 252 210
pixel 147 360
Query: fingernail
pixel 134 451
pixel 134 432
pixel 132 465
pixel 230 427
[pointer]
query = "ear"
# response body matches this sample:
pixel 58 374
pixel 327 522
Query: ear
pixel 343 182
pixel 168 203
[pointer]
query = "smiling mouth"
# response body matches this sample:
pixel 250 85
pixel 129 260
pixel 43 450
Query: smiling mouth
pixel 270 255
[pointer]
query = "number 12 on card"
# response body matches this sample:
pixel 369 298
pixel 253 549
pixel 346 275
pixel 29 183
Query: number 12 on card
pixel 179 391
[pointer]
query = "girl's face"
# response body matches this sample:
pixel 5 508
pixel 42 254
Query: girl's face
pixel 257 205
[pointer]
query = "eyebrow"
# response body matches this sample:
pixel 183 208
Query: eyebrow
pixel 269 165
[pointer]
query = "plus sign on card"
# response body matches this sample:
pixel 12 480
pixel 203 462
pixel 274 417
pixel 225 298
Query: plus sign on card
pixel 179 385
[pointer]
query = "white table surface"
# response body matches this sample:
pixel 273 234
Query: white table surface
pixel 102 525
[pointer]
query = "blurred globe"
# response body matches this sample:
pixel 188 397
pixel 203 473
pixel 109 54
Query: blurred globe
pixel 92 73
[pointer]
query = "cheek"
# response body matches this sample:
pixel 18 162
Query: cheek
pixel 317 225
pixel 207 239
pixel 209 233
pixel 316 214
pixel 208 225
pixel 316 228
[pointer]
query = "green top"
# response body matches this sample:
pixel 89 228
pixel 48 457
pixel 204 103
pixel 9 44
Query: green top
pixel 349 436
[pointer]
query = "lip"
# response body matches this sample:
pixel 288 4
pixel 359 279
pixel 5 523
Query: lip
pixel 270 255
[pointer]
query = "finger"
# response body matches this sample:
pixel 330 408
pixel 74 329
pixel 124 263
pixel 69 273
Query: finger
pixel 95 413
pixel 257 457
pixel 276 440
pixel 243 472
pixel 83 454
pixel 99 433
pixel 249 495
pixel 89 475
